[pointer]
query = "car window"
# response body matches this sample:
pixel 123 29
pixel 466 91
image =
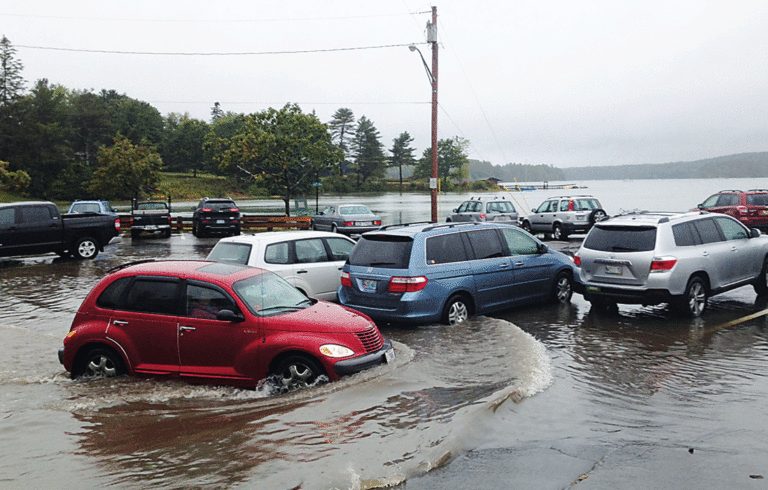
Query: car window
pixel 707 230
pixel 277 253
pixel 445 249
pixel 585 204
pixel 206 302
pixel 354 210
pixel 685 235
pixel 519 243
pixel 564 205
pixel 463 207
pixel 111 296
pixel 757 199
pixel 268 294
pixel 732 230
pixel 607 238
pixel 85 208
pixel 548 207
pixel 477 207
pixel 311 250
pixel 728 200
pixel 390 251
pixel 33 214
pixel 152 295
pixel 486 244
pixel 234 253
pixel 340 248
pixel 7 217
pixel 500 207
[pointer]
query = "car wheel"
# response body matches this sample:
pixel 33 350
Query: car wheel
pixel 135 234
pixel 86 248
pixel 334 228
pixel 313 226
pixel 298 372
pixel 194 228
pixel 527 227
pixel 761 283
pixel 694 300
pixel 563 289
pixel 201 233
pixel 597 215
pixel 237 231
pixel 558 233
pixel 456 310
pixel 100 362
pixel 599 305
pixel 167 233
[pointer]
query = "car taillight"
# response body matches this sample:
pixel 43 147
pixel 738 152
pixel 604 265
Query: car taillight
pixel 346 280
pixel 234 210
pixel 663 264
pixel 117 224
pixel 570 205
pixel 481 217
pixel 349 223
pixel 377 222
pixel 577 261
pixel 206 210
pixel 406 284
pixel 742 210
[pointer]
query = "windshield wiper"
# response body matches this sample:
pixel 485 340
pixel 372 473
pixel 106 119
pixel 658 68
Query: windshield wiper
pixel 379 264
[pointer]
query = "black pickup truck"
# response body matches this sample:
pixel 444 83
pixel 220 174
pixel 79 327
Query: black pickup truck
pixel 31 228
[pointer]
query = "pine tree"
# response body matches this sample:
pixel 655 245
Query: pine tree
pixel 342 132
pixel 11 81
pixel 402 154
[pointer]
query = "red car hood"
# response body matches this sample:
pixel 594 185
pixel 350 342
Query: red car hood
pixel 322 317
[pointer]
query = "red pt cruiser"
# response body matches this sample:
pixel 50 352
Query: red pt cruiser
pixel 216 323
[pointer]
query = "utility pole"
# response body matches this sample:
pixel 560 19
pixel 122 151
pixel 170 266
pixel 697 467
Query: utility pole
pixel 432 38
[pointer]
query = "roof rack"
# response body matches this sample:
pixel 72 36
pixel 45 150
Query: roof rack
pixel 758 190
pixel 403 225
pixel 731 190
pixel 128 264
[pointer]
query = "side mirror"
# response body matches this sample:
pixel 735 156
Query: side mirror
pixel 754 233
pixel 229 316
pixel 700 206
pixel 543 248
pixel 534 210
pixel 456 210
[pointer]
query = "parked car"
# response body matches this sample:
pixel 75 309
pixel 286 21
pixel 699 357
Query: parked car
pixel 215 323
pixel 31 228
pixel 150 217
pixel 564 215
pixel 216 215
pixel 311 261
pixel 346 218
pixel 426 273
pixel 484 209
pixel 750 207
pixel 91 207
pixel 676 258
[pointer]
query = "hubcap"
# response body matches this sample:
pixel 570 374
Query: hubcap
pixel 697 299
pixel 457 313
pixel 87 249
pixel 102 365
pixel 563 289
pixel 298 375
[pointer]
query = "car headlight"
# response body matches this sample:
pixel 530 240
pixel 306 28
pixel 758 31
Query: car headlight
pixel 333 350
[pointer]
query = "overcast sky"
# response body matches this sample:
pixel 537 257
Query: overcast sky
pixel 563 83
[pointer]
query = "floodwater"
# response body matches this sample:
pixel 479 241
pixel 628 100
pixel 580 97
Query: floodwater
pixel 538 397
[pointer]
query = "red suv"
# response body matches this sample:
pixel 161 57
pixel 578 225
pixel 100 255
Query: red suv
pixel 216 323
pixel 750 207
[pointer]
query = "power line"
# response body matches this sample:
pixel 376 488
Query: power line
pixel 246 53
pixel 296 19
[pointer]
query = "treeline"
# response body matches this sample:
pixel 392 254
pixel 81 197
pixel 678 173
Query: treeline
pixel 743 165
pixel 511 172
pixel 59 143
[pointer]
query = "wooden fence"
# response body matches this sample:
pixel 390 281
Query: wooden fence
pixel 248 223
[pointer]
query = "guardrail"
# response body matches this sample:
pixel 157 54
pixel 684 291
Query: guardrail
pixel 255 222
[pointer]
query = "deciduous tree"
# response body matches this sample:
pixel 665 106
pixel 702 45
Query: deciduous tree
pixel 125 170
pixel 402 154
pixel 452 161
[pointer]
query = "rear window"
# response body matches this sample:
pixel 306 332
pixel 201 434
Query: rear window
pixel 220 205
pixel 389 251
pixel 233 253
pixel 606 238
pixel 445 249
pixel 757 199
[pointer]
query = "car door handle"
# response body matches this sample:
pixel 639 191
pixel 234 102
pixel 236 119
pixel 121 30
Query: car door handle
pixel 119 322
pixel 302 272
pixel 503 266
pixel 705 254
pixel 519 264
pixel 187 329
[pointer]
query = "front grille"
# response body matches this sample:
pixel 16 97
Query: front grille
pixel 371 339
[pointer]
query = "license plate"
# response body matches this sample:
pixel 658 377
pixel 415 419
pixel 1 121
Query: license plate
pixel 389 355
pixel 219 221
pixel 580 218
pixel 369 285
pixel 593 289
pixel 151 227
pixel 363 223
pixel 613 269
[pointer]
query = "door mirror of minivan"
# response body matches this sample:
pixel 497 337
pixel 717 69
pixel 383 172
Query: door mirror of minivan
pixel 543 248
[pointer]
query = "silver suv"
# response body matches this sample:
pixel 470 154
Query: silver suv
pixel 563 215
pixel 676 258
pixel 485 209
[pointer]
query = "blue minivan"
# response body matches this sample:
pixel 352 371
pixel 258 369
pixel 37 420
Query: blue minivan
pixel 427 273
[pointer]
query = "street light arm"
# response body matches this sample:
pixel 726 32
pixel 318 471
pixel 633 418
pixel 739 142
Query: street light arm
pixel 426 66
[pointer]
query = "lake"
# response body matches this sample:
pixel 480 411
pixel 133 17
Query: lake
pixel 544 397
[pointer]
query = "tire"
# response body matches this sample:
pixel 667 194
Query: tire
pixel 527 227
pixel 167 233
pixel 558 233
pixel 86 248
pixel 194 228
pixel 457 310
pixel 694 301
pixel 237 231
pixel 298 371
pixel 201 233
pixel 761 282
pixel 563 289
pixel 313 226
pixel 135 234
pixel 100 361
pixel 597 215
pixel 334 228
pixel 603 305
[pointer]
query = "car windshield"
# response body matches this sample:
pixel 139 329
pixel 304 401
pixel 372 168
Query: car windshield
pixel 268 294
pixel 145 206
pixel 621 238
pixel 354 210
pixel 233 253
